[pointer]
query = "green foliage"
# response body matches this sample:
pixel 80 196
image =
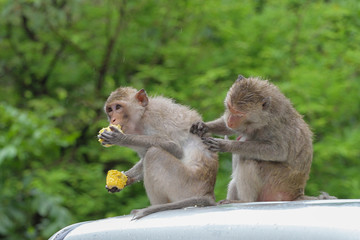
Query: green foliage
pixel 60 59
pixel 25 140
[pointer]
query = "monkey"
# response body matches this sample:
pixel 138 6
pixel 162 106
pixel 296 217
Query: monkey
pixel 272 153
pixel 176 167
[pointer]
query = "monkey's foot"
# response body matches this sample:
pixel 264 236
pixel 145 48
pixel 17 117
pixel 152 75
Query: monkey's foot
pixel 227 201
pixel 139 213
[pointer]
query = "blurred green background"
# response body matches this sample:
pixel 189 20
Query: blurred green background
pixel 59 60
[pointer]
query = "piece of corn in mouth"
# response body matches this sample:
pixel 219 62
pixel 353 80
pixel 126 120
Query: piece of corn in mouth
pixel 115 180
pixel 108 129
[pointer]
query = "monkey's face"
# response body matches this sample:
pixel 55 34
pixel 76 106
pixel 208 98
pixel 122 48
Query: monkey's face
pixel 243 115
pixel 116 112
pixel 247 105
pixel 126 107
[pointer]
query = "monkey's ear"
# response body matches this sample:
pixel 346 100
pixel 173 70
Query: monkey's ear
pixel 142 97
pixel 266 103
pixel 240 77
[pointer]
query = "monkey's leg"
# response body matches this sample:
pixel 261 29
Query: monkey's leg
pixel 246 183
pixel 232 193
pixel 170 184
pixel 166 178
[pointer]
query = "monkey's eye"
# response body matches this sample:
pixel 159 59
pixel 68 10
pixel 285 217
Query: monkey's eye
pixel 109 109
pixel 118 106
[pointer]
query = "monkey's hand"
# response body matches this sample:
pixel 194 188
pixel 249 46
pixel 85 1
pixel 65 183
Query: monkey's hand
pixel 199 128
pixel 215 144
pixel 115 136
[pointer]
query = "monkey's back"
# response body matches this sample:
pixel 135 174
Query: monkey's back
pixel 176 122
pixel 175 119
pixel 285 124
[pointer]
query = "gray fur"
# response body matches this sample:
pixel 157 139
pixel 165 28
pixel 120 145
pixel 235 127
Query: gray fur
pixel 176 166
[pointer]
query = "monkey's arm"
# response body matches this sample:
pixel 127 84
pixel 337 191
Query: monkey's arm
pixel 259 150
pixel 145 141
pixel 135 174
pixel 217 126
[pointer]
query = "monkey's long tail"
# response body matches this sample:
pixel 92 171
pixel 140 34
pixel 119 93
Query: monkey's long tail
pixel 189 202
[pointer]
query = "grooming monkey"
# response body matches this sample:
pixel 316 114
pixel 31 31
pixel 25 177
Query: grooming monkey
pixel 273 151
pixel 177 168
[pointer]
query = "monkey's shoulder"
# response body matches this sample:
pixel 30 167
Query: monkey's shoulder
pixel 167 108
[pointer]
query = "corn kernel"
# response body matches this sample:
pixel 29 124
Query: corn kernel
pixel 116 179
pixel 108 129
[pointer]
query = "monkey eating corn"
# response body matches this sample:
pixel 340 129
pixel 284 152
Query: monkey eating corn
pixel 108 129
pixel 115 181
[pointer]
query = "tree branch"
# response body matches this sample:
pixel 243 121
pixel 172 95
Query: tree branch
pixel 30 33
pixel 24 66
pixel 109 49
pixel 52 64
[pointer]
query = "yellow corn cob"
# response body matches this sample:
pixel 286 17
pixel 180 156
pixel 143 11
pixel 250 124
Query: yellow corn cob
pixel 108 129
pixel 115 179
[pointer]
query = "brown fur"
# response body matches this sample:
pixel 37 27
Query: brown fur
pixel 272 160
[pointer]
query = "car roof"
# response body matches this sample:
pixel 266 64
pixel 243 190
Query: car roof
pixel 319 219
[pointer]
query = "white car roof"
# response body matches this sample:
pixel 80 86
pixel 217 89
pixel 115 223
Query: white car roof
pixel 320 219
